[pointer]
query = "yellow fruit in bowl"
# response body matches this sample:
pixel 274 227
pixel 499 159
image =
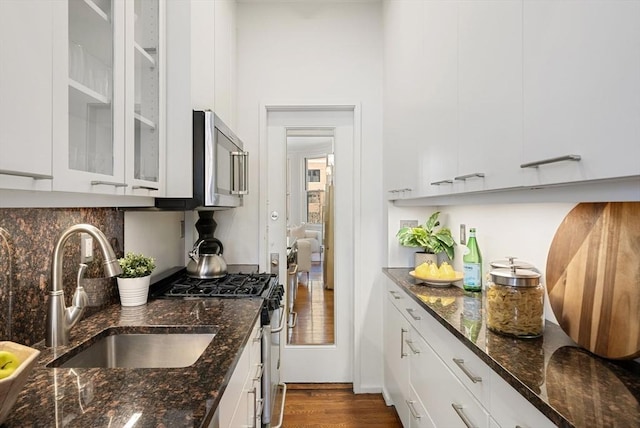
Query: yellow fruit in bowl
pixel 422 270
pixel 446 271
pixel 9 362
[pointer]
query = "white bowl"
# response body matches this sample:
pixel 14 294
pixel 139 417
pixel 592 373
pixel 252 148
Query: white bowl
pixel 10 386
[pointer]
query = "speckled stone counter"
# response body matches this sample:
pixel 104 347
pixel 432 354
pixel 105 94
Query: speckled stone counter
pixel 175 397
pixel 571 386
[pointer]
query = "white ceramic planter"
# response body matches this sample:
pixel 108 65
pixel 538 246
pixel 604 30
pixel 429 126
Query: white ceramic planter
pixel 133 291
pixel 422 257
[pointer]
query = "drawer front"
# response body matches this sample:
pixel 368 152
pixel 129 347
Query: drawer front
pixel 510 409
pixel 447 401
pixel 409 308
pixel 419 416
pixel 472 372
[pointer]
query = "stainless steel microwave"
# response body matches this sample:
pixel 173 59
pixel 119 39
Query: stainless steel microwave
pixel 220 167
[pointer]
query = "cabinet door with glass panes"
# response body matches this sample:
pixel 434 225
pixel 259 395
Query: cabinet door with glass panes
pixel 144 152
pixel 88 96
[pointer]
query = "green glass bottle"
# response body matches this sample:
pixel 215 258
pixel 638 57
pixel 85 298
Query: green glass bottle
pixel 472 264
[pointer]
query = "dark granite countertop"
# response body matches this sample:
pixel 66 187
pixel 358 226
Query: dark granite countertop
pixel 571 386
pixel 174 397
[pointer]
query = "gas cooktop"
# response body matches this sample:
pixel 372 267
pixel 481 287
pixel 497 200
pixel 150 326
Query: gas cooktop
pixel 236 285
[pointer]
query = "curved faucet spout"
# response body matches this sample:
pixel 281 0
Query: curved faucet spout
pixel 59 318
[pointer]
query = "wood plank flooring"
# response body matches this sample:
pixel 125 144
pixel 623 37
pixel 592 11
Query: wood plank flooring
pixel 315 308
pixel 335 405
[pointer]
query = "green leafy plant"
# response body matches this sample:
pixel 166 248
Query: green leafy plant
pixel 136 265
pixel 428 236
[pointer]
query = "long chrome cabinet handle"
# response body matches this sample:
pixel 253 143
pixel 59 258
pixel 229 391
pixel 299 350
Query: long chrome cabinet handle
pixel 437 183
pixel 460 363
pixel 413 348
pixel 402 353
pixel 412 409
pixel 145 188
pixel 395 295
pixel 108 183
pixel 536 164
pixel 464 177
pixel 411 311
pixel 258 407
pixel 26 174
pixel 258 337
pixel 460 411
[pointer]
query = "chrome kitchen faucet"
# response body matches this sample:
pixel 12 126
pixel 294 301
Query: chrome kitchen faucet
pixel 61 319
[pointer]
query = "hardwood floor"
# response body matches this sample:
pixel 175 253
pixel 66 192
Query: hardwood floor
pixel 335 405
pixel 315 308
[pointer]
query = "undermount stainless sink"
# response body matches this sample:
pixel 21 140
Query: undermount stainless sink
pixel 152 347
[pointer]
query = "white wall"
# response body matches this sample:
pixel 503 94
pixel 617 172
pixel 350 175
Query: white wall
pixel 521 230
pixel 305 53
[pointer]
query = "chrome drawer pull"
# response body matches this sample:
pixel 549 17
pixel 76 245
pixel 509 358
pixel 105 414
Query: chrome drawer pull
pixel 33 175
pixel 414 316
pixel 258 338
pixel 108 183
pixel 155 189
pixel 413 348
pixel 536 164
pixel 464 177
pixel 402 353
pixel 412 409
pixel 259 373
pixel 460 411
pixel 460 363
pixel 395 295
pixel 437 183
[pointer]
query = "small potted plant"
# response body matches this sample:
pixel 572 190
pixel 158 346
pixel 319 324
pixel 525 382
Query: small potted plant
pixel 430 238
pixel 133 282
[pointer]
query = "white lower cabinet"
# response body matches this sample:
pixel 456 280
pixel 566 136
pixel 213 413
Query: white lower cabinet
pixel 512 410
pixel 396 365
pixel 241 403
pixel 435 381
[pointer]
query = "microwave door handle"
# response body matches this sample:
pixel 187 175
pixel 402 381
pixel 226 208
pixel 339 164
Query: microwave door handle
pixel 239 186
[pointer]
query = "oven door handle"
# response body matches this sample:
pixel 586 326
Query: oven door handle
pixel 281 326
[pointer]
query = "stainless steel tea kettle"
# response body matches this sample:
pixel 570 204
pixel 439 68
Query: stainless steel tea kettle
pixel 207 266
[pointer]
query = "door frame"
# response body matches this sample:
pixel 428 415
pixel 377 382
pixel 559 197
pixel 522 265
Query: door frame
pixel 355 273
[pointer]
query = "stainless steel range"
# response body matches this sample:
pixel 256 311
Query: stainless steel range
pixel 241 281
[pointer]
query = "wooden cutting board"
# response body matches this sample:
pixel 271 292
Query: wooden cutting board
pixel 593 277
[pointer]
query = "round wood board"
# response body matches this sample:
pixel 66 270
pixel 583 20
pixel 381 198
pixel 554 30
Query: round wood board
pixel 593 277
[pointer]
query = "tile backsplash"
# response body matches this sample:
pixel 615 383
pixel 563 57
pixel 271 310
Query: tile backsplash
pixel 27 239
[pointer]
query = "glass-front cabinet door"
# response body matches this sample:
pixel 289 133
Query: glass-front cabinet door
pixel 108 97
pixel 89 150
pixel 145 118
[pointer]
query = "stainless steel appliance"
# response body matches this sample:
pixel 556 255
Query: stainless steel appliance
pixel 242 281
pixel 220 167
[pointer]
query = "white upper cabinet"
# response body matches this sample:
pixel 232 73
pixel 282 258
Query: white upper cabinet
pixel 404 140
pixel 490 95
pixel 581 90
pixel 25 94
pixel 145 115
pixel 440 77
pixel 107 95
pixel 88 96
pixel 225 61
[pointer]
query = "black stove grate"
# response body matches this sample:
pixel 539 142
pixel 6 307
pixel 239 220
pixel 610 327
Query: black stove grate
pixel 231 285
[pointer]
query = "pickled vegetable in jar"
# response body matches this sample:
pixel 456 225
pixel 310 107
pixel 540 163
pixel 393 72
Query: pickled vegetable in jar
pixel 515 302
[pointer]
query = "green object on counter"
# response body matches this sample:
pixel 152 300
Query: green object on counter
pixel 472 264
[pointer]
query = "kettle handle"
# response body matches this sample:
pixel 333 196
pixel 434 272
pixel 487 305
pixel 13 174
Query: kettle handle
pixel 196 249
pixel 195 253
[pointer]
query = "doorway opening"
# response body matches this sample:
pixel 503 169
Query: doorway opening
pixel 310 169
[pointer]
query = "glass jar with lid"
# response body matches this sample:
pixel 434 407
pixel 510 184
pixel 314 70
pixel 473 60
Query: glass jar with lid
pixel 515 299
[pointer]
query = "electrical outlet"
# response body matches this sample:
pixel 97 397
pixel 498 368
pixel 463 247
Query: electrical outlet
pixel 463 234
pixel 86 248
pixel 408 223
pixel 181 228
